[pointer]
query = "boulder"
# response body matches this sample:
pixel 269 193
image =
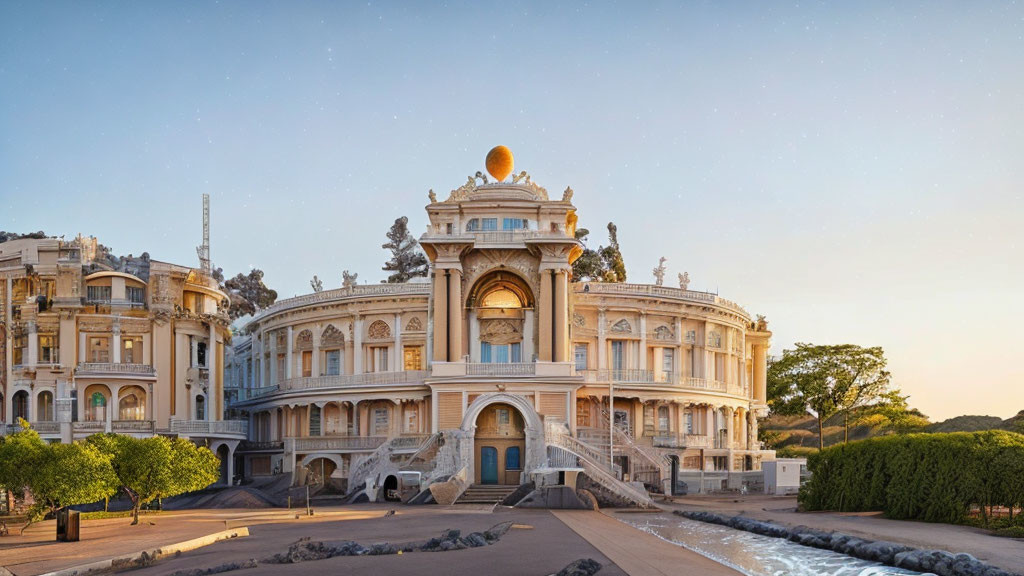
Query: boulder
pixel 581 567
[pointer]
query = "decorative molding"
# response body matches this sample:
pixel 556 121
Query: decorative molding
pixel 379 330
pixel 414 325
pixel 622 327
pixel 304 341
pixel 331 337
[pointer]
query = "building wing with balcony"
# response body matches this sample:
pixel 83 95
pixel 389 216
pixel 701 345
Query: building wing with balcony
pixel 88 348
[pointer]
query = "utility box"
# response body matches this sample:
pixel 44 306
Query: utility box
pixel 782 476
pixel 68 524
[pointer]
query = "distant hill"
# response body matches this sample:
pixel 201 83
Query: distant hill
pixel 796 434
pixel 976 423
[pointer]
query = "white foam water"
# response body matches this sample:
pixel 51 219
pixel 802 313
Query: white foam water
pixel 753 554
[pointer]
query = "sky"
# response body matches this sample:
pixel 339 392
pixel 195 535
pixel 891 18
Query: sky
pixel 852 170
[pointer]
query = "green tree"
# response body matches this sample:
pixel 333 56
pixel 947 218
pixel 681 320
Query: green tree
pixel 407 261
pixel 826 380
pixel 20 457
pixel 615 267
pixel 157 467
pixel 589 266
pixel 248 294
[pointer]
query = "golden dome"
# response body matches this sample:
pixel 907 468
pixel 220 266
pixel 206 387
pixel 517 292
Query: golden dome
pixel 499 162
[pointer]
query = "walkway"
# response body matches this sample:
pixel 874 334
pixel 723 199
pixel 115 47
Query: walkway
pixel 638 553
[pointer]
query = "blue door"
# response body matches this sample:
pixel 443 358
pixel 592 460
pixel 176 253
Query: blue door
pixel 488 465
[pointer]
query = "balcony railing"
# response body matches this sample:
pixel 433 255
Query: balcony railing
pixel 344 293
pixel 664 291
pixel 88 426
pixel 252 446
pixel 629 376
pixel 123 302
pixel 501 369
pixel 42 427
pixel 210 427
pixel 703 384
pixel 115 368
pixel 369 378
pixel 136 426
pixel 682 441
pixel 314 443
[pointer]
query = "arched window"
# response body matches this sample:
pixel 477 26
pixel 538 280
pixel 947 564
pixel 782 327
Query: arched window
pixel 512 458
pixel 20 405
pixel 131 407
pixel 501 298
pixel 200 408
pixel 97 407
pixel 44 407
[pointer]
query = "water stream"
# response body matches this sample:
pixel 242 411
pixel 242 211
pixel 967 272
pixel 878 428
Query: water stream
pixel 754 554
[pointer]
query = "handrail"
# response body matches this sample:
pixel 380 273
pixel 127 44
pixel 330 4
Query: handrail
pixel 366 378
pixel 662 464
pixel 598 474
pixel 501 369
pixel 356 291
pixel 653 290
pixel 115 368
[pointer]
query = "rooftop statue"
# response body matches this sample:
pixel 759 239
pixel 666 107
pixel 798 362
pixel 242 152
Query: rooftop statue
pixel 659 272
pixel 684 281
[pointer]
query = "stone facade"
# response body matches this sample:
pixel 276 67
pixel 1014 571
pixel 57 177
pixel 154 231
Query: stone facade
pixel 327 379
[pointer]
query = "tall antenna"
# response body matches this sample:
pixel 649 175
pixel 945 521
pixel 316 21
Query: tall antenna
pixel 204 250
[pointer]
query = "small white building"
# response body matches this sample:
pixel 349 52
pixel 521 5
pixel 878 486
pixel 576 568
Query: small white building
pixel 782 476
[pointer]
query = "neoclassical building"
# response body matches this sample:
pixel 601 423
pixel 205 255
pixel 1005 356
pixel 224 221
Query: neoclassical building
pixel 87 348
pixel 499 369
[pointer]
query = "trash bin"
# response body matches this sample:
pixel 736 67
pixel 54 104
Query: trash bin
pixel 68 523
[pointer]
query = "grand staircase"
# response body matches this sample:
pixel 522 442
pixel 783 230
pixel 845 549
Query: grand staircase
pixel 485 493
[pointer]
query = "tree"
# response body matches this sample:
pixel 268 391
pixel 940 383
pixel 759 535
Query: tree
pixel 407 261
pixel 5 236
pixel 57 475
pixel 588 267
pixel 615 267
pixel 826 380
pixel 602 265
pixel 156 467
pixel 248 294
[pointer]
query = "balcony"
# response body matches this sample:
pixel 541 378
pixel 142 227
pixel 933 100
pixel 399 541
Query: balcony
pixel 502 369
pixel 106 369
pixel 498 237
pixel 330 443
pixel 631 376
pixel 703 384
pixel 45 427
pixel 133 426
pixel 233 428
pixel 681 441
pixel 115 302
pixel 88 427
pixel 251 446
pixel 413 377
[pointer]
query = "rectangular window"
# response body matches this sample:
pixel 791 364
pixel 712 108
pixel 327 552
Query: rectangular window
pixel 689 422
pixel 618 355
pixel 663 419
pixel 281 373
pixel 333 362
pixel 501 353
pixel 20 350
pixel 380 422
pixel 413 358
pixel 668 360
pixel 580 355
pixel 513 224
pixel 517 352
pixel 489 224
pixel 201 354
pixel 99 350
pixel 48 349
pixel 98 293
pixel 135 295
pixel 307 363
pixel 380 358
pixel 131 350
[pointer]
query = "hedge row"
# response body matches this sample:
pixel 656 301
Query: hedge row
pixel 929 477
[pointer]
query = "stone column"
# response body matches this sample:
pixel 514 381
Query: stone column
pixel 214 396
pixel 315 371
pixel 561 312
pixel 547 299
pixel 602 341
pixel 399 364
pixel 357 344
pixel 760 373
pixel 231 465
pixel 115 347
pixel 440 316
pixel 709 424
pixel 643 341
pixel 289 359
pixel 33 347
pixel 455 316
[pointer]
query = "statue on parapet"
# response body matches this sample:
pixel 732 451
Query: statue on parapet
pixel 317 284
pixel 684 281
pixel 659 272
pixel 348 279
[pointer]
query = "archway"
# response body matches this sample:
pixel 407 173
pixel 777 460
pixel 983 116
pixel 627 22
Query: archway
pixel 96 398
pixel 500 305
pixel 512 430
pixel 224 454
pixel 20 405
pixel 390 489
pixel 44 406
pixel 132 404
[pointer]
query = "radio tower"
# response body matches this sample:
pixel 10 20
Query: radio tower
pixel 204 250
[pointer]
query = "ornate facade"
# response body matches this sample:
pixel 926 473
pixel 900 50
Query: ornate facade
pixel 499 369
pixel 89 349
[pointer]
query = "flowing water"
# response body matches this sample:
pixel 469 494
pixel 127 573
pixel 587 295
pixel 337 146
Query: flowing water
pixel 754 554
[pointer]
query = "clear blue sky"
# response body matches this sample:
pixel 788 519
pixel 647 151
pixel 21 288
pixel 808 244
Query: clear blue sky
pixel 853 171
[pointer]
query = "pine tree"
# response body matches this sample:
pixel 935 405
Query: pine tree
pixel 406 259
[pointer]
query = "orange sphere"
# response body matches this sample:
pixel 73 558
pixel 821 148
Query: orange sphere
pixel 499 162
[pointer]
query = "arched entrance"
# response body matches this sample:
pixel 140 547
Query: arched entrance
pixel 507 438
pixel 223 453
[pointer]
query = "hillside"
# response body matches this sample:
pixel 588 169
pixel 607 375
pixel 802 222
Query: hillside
pixel 795 434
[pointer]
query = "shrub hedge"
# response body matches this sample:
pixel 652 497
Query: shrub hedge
pixel 929 477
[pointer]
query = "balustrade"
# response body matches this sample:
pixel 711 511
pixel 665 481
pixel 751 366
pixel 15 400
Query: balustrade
pixel 501 369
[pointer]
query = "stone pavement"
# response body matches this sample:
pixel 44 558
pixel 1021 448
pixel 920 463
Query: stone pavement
pixel 1006 553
